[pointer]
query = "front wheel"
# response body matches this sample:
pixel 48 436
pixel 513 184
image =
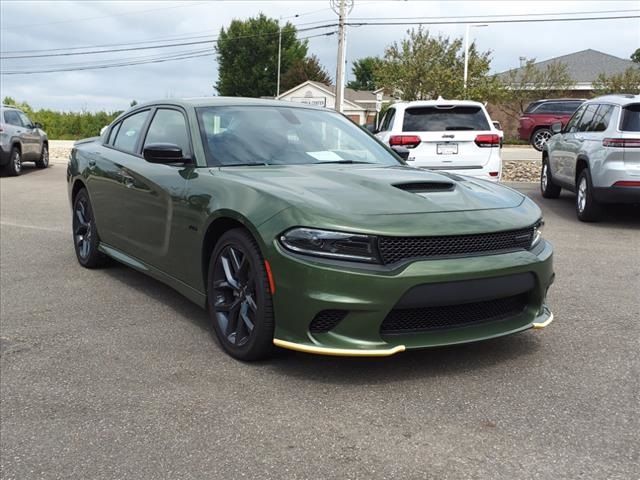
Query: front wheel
pixel 540 137
pixel 85 233
pixel 587 208
pixel 239 298
pixel 547 187
pixel 43 162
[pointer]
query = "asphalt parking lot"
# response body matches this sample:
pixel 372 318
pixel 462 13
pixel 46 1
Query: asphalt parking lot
pixel 110 374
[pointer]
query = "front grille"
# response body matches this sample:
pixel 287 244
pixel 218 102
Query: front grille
pixel 326 320
pixel 411 320
pixel 396 249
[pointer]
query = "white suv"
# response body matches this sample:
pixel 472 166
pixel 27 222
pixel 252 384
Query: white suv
pixel 457 136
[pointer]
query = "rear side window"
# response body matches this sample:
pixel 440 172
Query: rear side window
pixel 601 118
pixel 129 132
pixel 587 118
pixel 630 121
pixel 12 118
pixel 558 107
pixel 388 120
pixel 439 119
pixel 169 126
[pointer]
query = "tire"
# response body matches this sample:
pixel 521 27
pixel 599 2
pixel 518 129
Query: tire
pixel 239 300
pixel 540 137
pixel 85 233
pixel 43 162
pixel 14 167
pixel 587 208
pixel 547 187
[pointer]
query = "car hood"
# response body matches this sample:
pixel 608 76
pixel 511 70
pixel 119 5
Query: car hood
pixel 374 190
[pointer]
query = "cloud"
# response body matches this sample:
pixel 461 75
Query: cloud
pixel 69 24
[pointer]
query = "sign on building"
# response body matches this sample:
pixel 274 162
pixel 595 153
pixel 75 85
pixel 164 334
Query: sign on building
pixel 316 101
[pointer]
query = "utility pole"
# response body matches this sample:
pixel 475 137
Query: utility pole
pixel 466 52
pixel 279 55
pixel 340 7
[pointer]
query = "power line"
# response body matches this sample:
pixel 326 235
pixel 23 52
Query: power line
pixel 151 47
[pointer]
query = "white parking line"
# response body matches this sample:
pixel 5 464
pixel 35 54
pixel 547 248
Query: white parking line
pixel 33 227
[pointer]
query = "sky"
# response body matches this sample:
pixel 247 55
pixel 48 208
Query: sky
pixel 27 25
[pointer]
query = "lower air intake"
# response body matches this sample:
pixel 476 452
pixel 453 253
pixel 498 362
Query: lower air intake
pixel 326 320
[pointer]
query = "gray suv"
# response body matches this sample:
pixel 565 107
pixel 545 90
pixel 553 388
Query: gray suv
pixel 596 155
pixel 21 140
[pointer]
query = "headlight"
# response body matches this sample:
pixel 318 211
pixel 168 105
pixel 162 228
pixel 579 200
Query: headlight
pixel 336 245
pixel 537 232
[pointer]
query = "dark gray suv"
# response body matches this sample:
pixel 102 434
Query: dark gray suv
pixel 21 140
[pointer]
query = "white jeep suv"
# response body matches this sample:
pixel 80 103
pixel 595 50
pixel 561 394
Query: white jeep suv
pixel 457 136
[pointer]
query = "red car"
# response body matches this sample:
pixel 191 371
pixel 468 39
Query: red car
pixel 536 121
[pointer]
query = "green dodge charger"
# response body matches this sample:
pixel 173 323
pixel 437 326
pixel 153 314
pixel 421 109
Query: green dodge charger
pixel 295 228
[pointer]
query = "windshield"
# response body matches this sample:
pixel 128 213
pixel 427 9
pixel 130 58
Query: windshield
pixel 440 119
pixel 275 135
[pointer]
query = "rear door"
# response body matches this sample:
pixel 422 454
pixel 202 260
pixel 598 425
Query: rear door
pixel 449 136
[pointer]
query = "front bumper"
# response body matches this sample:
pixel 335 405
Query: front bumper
pixel 305 287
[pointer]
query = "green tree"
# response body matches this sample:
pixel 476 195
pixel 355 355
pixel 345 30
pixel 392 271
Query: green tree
pixel 625 82
pixel 133 103
pixel 635 56
pixel 247 54
pixel 364 70
pixel 300 71
pixel 523 85
pixel 424 67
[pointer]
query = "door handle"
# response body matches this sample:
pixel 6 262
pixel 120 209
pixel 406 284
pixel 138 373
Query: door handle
pixel 127 179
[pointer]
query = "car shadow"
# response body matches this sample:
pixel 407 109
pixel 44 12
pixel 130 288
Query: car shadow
pixel 159 292
pixel 431 362
pixel 622 216
pixel 27 169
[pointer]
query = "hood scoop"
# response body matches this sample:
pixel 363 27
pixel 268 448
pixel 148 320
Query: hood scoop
pixel 425 187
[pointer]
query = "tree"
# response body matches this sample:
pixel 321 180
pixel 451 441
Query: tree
pixel 625 82
pixel 133 103
pixel 364 70
pixel 308 68
pixel 523 85
pixel 635 56
pixel 424 67
pixel 247 54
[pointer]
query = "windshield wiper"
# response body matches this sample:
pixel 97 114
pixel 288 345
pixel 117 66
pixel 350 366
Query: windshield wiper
pixel 342 162
pixel 253 164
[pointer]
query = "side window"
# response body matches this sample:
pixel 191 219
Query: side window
pixel 113 133
pixel 587 118
pixel 572 125
pixel 388 120
pixel 601 119
pixel 129 132
pixel 11 117
pixel 169 126
pixel 25 120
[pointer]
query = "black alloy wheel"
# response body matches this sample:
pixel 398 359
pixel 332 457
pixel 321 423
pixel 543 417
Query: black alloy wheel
pixel 85 234
pixel 239 299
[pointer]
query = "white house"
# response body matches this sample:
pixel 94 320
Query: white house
pixel 359 105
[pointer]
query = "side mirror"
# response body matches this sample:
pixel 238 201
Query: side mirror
pixel 556 128
pixel 402 152
pixel 497 125
pixel 371 127
pixel 37 125
pixel 163 153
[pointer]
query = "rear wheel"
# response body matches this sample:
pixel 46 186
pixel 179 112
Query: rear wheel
pixel 547 187
pixel 587 208
pixel 43 162
pixel 14 167
pixel 85 233
pixel 539 138
pixel 239 299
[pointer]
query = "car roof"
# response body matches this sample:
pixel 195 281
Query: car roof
pixel 439 101
pixel 227 101
pixel 621 99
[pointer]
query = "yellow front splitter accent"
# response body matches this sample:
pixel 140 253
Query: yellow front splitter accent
pixel 338 352
pixel 545 323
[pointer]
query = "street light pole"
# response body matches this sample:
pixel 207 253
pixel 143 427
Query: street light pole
pixel 341 54
pixel 466 52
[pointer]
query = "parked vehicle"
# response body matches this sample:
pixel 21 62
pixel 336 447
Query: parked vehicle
pixel 21 140
pixel 295 228
pixel 596 155
pixel 536 121
pixel 455 136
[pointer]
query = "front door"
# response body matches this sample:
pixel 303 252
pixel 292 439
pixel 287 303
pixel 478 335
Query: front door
pixel 30 139
pixel 565 149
